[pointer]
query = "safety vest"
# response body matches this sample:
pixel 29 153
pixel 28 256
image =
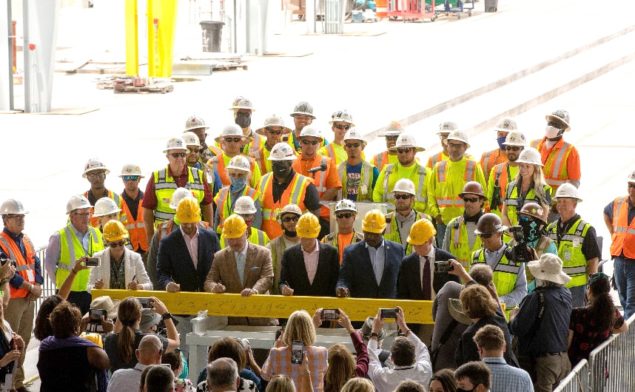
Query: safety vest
pixel 71 250
pixel 94 221
pixel 447 181
pixel 136 227
pixel 392 230
pixel 295 143
pixel 277 246
pixel 25 266
pixel 418 177
pixel 263 160
pixel 336 152
pixel 252 148
pixel 294 194
pixel 219 163
pixel 164 187
pixel 256 237
pixel 165 228
pixel 555 161
pixel 332 239
pixel 382 159
pixel 490 159
pixel 459 244
pixel 497 185
pixel 623 231
pixel 505 272
pixel 319 180
pixel 436 158
pixel 514 203
pixel 365 186
pixel 224 204
pixel 574 262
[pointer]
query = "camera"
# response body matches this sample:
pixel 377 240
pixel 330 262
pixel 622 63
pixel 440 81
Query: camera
pixel 146 302
pixel 388 313
pixel 95 315
pixel 4 261
pixel 297 352
pixel 92 262
pixel 520 252
pixel 330 314
pixel 443 266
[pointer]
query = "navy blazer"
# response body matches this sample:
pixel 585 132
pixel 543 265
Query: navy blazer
pixel 357 274
pixel 174 263
pixel 409 281
pixel 294 274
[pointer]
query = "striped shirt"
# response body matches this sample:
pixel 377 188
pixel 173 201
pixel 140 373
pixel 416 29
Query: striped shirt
pixel 279 362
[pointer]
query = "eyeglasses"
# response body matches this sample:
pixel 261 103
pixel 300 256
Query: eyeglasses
pixel 178 155
pixel 194 150
pixel 392 137
pixel 288 219
pixel 344 215
pixel 130 178
pixel 631 184
pixel 14 216
pixel 233 139
pixel 274 131
pixel 340 126
pixel 470 199
pixel 486 236
pixel 311 142
pixel 81 213
pixel 96 174
pixel 352 145
pixel 117 244
pixel 513 148
pixel 403 150
pixel 402 197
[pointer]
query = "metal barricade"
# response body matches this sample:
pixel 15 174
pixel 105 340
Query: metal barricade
pixel 611 363
pixel 334 16
pixel 48 288
pixel 577 380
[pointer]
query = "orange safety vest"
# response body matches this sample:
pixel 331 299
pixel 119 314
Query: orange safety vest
pixel 135 226
pixel 94 222
pixel 223 202
pixel 380 160
pixel 319 179
pixel 23 265
pixel 623 231
pixel 555 161
pixel 219 164
pixel 434 159
pixel 501 176
pixel 491 159
pixel 294 194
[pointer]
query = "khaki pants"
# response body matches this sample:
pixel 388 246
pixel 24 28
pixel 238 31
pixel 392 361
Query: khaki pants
pixel 550 369
pixel 19 314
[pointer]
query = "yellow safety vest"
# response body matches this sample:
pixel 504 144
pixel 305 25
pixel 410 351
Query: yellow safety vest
pixel 392 230
pixel 224 203
pixel 164 187
pixel 505 273
pixel 574 262
pixel 513 201
pixel 71 250
pixel 365 187
pixel 417 173
pixel 334 151
pixel 459 244
pixel 256 237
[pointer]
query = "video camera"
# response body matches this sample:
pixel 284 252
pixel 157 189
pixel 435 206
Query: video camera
pixel 520 252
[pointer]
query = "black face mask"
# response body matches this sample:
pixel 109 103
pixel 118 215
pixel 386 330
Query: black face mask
pixel 290 234
pixel 281 168
pixel 532 229
pixel 243 120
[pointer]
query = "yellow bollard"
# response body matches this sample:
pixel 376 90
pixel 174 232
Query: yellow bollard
pixel 161 25
pixel 132 39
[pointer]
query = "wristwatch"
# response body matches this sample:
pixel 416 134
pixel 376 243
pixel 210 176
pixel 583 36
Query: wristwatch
pixel 167 315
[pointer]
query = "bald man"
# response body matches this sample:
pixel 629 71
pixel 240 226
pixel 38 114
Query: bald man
pixel 148 354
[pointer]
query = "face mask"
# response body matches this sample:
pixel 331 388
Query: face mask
pixel 237 183
pixel 551 132
pixel 500 141
pixel 290 234
pixel 243 120
pixel 531 229
pixel 280 169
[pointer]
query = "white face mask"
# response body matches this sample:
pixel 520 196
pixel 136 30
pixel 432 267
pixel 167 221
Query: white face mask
pixel 551 132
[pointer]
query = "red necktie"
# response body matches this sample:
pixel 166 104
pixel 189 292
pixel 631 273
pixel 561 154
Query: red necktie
pixel 427 280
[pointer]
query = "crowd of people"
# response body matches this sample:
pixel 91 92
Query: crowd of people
pixel 496 244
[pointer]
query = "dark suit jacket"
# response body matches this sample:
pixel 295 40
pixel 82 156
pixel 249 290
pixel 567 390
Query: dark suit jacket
pixel 409 281
pixel 174 263
pixel 357 274
pixel 294 274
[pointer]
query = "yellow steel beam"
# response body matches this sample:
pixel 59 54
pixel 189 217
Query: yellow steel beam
pixel 275 306
pixel 132 38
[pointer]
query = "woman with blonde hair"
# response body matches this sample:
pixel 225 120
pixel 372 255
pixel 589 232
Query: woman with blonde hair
pixel 529 185
pixel 358 384
pixel 280 383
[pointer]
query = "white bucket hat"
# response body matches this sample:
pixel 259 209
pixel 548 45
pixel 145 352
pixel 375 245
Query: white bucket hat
pixel 549 268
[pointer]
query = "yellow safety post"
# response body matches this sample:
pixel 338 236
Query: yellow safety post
pixel 132 38
pixel 276 306
pixel 161 25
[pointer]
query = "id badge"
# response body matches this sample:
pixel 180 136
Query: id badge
pixel 576 243
pixel 567 255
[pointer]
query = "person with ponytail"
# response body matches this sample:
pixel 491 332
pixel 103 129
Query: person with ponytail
pixel 121 345
pixel 591 325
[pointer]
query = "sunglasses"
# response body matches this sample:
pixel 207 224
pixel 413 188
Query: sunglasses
pixel 274 132
pixel 14 216
pixel 352 145
pixel 288 219
pixel 96 174
pixel 178 154
pixel 470 199
pixel 513 148
pixel 486 236
pixel 194 150
pixel 233 139
pixel 404 150
pixel 310 142
pixel 402 197
pixel 392 137
pixel 631 184
pixel 81 213
pixel 344 215
pixel 339 126
pixel 117 244
pixel 130 178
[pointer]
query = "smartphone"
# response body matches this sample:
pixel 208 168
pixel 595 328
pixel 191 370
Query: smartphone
pixel 388 313
pixel 95 315
pixel 330 314
pixel 442 266
pixel 146 302
pixel 297 352
pixel 92 262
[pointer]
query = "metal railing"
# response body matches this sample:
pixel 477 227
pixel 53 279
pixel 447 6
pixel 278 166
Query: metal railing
pixel 577 380
pixel 48 288
pixel 611 364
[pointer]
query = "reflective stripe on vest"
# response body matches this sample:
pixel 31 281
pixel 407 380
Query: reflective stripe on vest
pixel 623 238
pixel 136 227
pixel 94 221
pixel 71 250
pixel 380 160
pixel 505 274
pixel 23 263
pixel 459 244
pixel 364 189
pixel 512 200
pixel 574 262
pixel 294 194
pixel 224 203
pixel 164 187
pixel 470 168
pixel 555 169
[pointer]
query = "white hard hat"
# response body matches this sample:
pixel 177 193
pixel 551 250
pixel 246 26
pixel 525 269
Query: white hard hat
pixel 446 127
pixel 105 206
pixel 406 141
pixel 94 165
pixel 561 116
pixel 273 121
pixel 506 125
pixel 290 209
pixel 240 162
pixel 231 130
pixel 530 156
pixel 245 205
pixel 242 103
pixel 303 108
pixel 77 202
pixel 567 191
pixel 191 139
pixel 459 136
pixel 131 170
pixel 404 185
pixel 515 138
pixel 632 177
pixel 354 134
pixel 175 143
pixel 345 205
pixel 282 152
pixel 341 116
pixel 178 195
pixel 312 132
pixel 393 129
pixel 12 206
pixel 194 122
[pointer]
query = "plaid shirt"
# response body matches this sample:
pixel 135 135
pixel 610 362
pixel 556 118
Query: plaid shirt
pixel 506 377
pixel 279 362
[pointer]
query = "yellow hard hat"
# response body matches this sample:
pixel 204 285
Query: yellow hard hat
pixel 374 222
pixel 115 231
pixel 188 211
pixel 308 226
pixel 234 227
pixel 421 231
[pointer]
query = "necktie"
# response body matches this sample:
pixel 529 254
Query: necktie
pixel 427 280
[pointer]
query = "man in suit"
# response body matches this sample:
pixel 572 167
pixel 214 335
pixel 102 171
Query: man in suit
pixel 370 268
pixel 309 268
pixel 242 267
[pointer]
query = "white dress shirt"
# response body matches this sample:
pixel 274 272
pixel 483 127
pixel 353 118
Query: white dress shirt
pixel 422 263
pixel 192 245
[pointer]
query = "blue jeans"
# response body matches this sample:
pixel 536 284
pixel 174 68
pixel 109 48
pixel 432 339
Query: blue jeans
pixel 624 275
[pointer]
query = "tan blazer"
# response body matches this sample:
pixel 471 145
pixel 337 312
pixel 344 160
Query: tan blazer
pixel 258 276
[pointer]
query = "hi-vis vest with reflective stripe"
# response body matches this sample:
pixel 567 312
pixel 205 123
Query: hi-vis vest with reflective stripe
pixel 94 221
pixel 164 187
pixel 491 159
pixel 570 250
pixel 365 187
pixel 499 178
pixel 335 152
pixel 294 194
pixel 254 146
pixel 623 231
pixel 555 166
pixel 263 160
pixel 256 237
pixel 512 200
pixel 220 162
pixel 71 250
pixel 392 230
pixel 23 264
pixel 459 244
pixel 224 203
pixel 436 158
pixel 382 159
pixel 418 178
pixel 505 272
pixel 136 227
pixel 446 188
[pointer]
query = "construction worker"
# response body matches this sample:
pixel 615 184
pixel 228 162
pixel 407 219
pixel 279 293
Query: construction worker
pixel 531 219
pixel 72 244
pixel 131 206
pixel 105 210
pixel 284 186
pixel 460 239
pixel 447 180
pixel 561 159
pixel 406 167
pixel 341 122
pixel 576 241
pixel 288 219
pixel 509 276
pixel 243 110
pixel 492 158
pixel 238 171
pixel 197 126
pixel 319 168
pixel 273 129
pixel 193 145
pixel 619 216
pixel 503 173
pixel 231 139
pixel 391 134
pixel 26 284
pixel 444 130
pixel 357 176
pixel 302 116
pixel 345 234
pixel 95 172
pixel 528 185
pixel 246 208
pixel 404 216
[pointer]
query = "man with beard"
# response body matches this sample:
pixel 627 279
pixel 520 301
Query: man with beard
pixel 391 134
pixel 503 173
pixel 401 220
pixel 273 129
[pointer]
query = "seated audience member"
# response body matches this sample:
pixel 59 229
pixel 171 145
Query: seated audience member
pixel 43 328
pixel 68 360
pixel 159 379
pixel 473 376
pixel 229 347
pixel 148 354
pixel 358 384
pixel 443 381
pixel 142 380
pixel 409 386
pixel 222 375
pixel 11 348
pixel 280 383
pixel 176 364
pixel 408 354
